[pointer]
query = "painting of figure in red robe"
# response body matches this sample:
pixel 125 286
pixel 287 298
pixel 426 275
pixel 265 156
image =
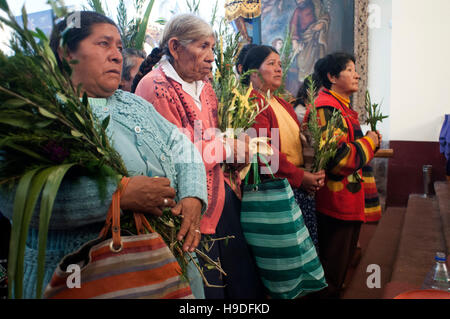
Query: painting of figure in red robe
pixel 316 27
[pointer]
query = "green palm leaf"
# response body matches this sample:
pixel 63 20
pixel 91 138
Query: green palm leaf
pixel 52 183
pixel 31 197
pixel 97 6
pixel 4 5
pixel 142 28
pixel 16 231
pixel 374 114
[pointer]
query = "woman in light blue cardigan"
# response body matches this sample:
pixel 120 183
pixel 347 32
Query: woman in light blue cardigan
pixel 166 168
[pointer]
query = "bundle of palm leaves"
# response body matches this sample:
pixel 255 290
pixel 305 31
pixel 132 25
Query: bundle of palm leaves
pixel 324 139
pixel 237 110
pixel 132 31
pixel 374 114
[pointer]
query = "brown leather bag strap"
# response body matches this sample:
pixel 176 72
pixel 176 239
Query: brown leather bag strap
pixel 108 221
pixel 113 217
pixel 116 244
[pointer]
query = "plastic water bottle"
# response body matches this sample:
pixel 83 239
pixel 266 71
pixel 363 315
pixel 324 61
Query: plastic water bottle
pixel 437 277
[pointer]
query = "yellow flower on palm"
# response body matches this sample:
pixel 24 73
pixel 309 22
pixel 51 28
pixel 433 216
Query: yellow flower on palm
pixel 337 135
pixel 323 141
pixel 218 75
pixel 243 99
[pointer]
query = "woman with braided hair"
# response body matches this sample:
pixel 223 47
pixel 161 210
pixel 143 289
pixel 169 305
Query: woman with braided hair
pixel 180 90
pixel 146 66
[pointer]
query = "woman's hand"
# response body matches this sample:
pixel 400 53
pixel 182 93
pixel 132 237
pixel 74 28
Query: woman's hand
pixel 380 138
pixel 190 208
pixel 148 195
pixel 313 181
pixel 375 136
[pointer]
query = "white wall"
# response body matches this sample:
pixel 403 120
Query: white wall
pixel 379 68
pixel 420 68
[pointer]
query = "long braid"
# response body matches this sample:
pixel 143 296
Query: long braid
pixel 146 66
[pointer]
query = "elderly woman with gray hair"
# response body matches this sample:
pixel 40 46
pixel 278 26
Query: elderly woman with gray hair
pixel 179 89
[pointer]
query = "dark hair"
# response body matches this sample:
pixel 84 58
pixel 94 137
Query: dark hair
pixel 129 56
pixel 83 20
pixel 241 56
pixel 254 58
pixel 331 64
pixel 302 93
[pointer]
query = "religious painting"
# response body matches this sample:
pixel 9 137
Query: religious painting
pixel 245 18
pixel 316 28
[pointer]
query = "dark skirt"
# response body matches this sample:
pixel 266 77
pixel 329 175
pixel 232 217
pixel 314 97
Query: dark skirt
pixel 242 280
pixel 338 241
pixel 307 204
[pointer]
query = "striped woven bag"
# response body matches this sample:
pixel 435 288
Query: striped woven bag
pixel 128 267
pixel 273 227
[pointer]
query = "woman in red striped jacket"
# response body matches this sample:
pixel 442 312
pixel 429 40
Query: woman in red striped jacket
pixel 340 203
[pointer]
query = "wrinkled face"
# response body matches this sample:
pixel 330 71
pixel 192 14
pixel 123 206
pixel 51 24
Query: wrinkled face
pixel 347 81
pixel 194 61
pixel 126 84
pixel 270 74
pixel 99 57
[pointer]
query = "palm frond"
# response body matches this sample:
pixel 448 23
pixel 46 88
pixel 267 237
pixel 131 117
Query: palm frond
pixel 374 114
pixel 325 139
pixel 236 110
pixel 142 27
pixel 97 6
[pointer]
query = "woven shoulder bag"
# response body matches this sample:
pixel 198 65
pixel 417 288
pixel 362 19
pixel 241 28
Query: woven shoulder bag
pixel 127 267
pixel 273 227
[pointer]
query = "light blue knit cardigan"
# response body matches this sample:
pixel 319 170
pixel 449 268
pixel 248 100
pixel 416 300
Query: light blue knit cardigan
pixel 149 145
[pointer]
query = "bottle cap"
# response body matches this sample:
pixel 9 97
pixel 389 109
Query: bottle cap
pixel 440 257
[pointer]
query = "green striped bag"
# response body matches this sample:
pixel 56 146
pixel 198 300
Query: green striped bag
pixel 273 227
